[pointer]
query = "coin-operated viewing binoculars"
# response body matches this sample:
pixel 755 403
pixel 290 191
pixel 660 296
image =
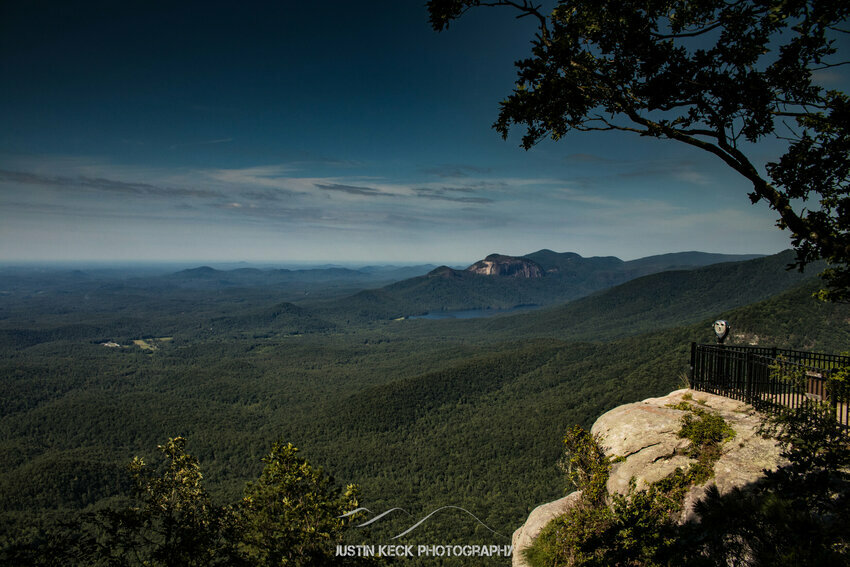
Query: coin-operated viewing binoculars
pixel 721 330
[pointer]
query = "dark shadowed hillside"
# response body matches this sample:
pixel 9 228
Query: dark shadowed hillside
pixel 659 300
pixel 500 282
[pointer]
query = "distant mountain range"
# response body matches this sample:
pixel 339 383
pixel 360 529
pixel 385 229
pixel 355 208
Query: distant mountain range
pixel 664 299
pixel 571 265
pixel 594 272
pixel 587 298
pixel 499 282
pixel 206 276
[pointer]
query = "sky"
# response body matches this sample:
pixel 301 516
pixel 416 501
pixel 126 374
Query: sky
pixel 319 132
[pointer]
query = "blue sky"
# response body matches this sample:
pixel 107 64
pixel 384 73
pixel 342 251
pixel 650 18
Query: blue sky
pixel 349 131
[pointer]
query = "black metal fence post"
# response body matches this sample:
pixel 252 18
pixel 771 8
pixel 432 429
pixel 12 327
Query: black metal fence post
pixel 744 373
pixel 749 383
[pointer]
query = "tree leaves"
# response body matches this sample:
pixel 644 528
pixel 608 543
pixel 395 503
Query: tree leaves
pixel 289 516
pixel 719 76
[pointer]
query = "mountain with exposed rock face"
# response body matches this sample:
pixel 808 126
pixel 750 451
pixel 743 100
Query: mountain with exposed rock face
pixel 500 265
pixel 500 281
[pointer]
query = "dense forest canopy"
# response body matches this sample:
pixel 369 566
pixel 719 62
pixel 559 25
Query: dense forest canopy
pixel 419 413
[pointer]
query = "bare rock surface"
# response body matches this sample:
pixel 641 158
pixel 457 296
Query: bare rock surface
pixel 500 265
pixel 646 434
pixel 643 438
pixel 537 519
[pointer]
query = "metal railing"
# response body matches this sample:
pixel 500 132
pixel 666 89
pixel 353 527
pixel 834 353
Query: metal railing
pixel 771 378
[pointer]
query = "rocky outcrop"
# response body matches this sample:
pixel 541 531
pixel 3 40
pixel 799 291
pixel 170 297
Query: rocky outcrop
pixel 498 265
pixel 538 519
pixel 643 438
pixel 646 434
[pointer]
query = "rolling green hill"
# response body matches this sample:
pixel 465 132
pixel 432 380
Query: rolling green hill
pixel 551 278
pixel 419 413
pixel 490 426
pixel 683 260
pixel 659 300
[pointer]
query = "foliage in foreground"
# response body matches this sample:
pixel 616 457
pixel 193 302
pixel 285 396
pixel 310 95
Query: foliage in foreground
pixel 631 529
pixel 797 516
pixel 289 516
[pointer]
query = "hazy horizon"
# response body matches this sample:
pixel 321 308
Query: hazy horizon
pixel 225 264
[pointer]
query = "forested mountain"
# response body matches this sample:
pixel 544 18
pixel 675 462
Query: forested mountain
pixel 205 276
pixel 419 413
pixel 18 284
pixel 660 300
pixel 502 282
pixel 683 260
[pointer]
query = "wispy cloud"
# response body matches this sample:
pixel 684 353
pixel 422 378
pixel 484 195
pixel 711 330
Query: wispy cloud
pixel 437 193
pixel 267 195
pixel 456 170
pixel 829 76
pixel 586 198
pixel 308 159
pixel 202 143
pixel 586 158
pixel 446 194
pixel 663 170
pixel 257 203
pixel 694 177
pixel 103 184
pixel 271 176
pixel 354 190
pixel 680 170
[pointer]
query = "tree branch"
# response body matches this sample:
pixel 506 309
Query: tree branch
pixel 737 161
pixel 527 9
pixel 830 66
pixel 695 33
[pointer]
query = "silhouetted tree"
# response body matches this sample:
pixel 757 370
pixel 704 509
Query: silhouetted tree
pixel 713 74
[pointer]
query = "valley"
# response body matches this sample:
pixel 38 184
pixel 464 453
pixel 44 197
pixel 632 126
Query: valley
pixel 420 413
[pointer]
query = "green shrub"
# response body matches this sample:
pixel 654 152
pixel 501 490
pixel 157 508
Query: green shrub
pixel 585 463
pixel 575 538
pixel 637 528
pixel 705 430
